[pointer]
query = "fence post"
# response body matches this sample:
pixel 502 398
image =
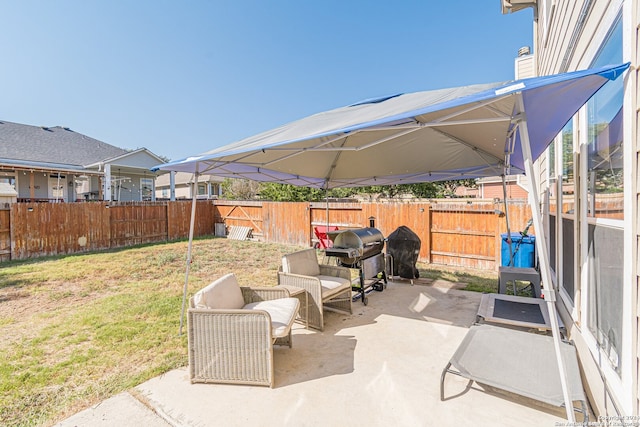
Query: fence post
pixel 498 239
pixel 429 234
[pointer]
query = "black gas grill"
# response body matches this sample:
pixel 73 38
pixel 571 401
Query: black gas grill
pixel 361 248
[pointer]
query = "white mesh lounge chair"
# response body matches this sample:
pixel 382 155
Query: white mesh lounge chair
pixel 232 330
pixel 518 362
pixel 327 286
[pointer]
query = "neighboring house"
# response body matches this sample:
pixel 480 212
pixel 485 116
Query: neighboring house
pixel 8 194
pixel 59 164
pixel 209 186
pixel 589 188
pixel 492 188
pixel 467 192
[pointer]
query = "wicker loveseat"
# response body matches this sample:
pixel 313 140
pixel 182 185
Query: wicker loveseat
pixel 232 330
pixel 327 286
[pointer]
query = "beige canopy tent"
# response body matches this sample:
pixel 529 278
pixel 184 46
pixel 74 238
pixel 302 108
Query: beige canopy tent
pixel 463 132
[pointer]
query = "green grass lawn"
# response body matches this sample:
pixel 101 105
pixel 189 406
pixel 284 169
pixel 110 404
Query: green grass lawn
pixel 82 328
pixel 476 281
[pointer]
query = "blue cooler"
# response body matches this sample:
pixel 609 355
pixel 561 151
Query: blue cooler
pixel 524 250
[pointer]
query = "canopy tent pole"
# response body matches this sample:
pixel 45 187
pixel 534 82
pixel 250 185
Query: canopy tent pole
pixel 326 201
pixel 506 217
pixel 549 292
pixel 191 227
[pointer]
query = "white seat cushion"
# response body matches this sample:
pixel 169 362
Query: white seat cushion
pixel 223 293
pixel 302 262
pixel 283 312
pixel 332 285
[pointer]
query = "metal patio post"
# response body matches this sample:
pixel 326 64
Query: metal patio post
pixel 545 269
pixel 191 227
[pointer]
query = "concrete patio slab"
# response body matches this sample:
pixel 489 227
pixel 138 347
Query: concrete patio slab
pixel 123 410
pixel 380 366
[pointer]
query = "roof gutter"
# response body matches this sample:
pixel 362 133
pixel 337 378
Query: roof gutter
pixel 43 167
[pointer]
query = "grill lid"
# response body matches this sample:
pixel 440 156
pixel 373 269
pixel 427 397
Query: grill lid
pixel 367 241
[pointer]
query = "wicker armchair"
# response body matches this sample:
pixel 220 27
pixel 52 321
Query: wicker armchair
pixel 232 330
pixel 328 287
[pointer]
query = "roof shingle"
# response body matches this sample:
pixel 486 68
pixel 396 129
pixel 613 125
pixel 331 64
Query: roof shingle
pixel 52 145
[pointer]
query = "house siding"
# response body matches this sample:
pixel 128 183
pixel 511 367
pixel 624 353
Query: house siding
pixel 525 67
pixel 136 159
pixel 32 185
pixel 567 40
pixel 183 182
pixel 494 190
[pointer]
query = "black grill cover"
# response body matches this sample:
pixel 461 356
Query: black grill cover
pixel 404 246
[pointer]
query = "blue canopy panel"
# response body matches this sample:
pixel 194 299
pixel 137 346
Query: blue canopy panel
pixel 566 96
pixel 464 132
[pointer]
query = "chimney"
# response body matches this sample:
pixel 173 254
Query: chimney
pixel 525 66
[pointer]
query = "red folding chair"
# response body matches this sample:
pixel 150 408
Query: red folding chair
pixel 321 233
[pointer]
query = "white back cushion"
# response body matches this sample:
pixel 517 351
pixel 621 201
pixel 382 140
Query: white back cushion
pixel 303 262
pixel 223 293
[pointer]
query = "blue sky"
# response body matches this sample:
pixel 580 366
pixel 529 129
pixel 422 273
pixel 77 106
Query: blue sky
pixel 183 77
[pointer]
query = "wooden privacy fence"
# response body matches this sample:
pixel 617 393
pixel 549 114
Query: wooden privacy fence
pixel 452 232
pixel 31 230
pixel 5 234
